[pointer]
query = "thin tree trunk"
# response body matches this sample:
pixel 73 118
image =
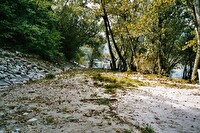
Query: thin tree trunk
pixel 113 62
pixel 196 10
pixel 106 21
pixel 116 47
pixel 196 63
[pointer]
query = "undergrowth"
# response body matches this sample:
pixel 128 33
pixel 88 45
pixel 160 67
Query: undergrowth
pixel 111 82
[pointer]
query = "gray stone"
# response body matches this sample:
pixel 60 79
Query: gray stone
pixel 15 69
pixel 2 114
pixel 2 68
pixel 32 120
pixel 16 131
pixel 3 83
pixel 25 113
pixel 18 76
pixel 11 76
pixel 31 91
pixel 16 80
pixel 2 76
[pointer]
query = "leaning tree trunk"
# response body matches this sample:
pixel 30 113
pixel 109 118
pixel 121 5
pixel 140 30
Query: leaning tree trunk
pixel 196 10
pixel 116 47
pixel 106 21
pixel 113 62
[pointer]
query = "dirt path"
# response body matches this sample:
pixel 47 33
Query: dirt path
pixel 67 104
pixel 166 110
pixel 72 104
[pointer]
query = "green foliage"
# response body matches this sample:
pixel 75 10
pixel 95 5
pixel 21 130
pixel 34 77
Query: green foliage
pixel 50 76
pixel 171 31
pixel 126 131
pixel 148 129
pixel 112 82
pixel 29 26
pixel 148 35
pixel 50 120
pixel 64 110
pixel 77 30
pixel 104 101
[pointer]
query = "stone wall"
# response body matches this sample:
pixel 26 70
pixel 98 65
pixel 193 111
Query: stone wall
pixel 20 68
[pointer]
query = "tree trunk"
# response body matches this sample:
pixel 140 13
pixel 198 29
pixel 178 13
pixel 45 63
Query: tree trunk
pixel 124 67
pixel 196 11
pixel 106 21
pixel 196 63
pixel 113 62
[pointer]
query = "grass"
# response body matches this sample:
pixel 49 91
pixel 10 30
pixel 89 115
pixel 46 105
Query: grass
pixel 169 82
pixel 64 110
pixel 39 99
pixel 148 129
pixel 36 110
pixel 50 120
pixel 23 98
pixel 126 131
pixel 104 101
pixel 111 82
pixel 50 76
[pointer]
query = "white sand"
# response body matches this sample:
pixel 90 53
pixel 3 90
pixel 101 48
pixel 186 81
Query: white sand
pixel 165 110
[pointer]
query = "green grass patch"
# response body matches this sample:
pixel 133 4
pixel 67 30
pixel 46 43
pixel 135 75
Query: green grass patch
pixel 36 110
pixel 50 120
pixel 126 131
pixel 50 76
pixel 148 129
pixel 104 101
pixel 111 82
pixel 64 110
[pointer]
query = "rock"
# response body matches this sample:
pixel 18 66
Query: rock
pixel 16 80
pixel 32 120
pixel 11 75
pixel 2 76
pixel 25 113
pixel 18 76
pixel 16 131
pixel 31 91
pixel 17 68
pixel 3 83
pixel 2 68
pixel 2 114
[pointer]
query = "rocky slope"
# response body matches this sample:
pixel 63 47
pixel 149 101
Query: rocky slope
pixel 20 68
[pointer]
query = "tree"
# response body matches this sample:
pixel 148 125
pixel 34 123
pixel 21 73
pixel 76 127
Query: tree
pixel 196 12
pixel 30 26
pixel 78 27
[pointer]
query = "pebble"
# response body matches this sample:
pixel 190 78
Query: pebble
pixel 32 120
pixel 25 113
pixel 2 115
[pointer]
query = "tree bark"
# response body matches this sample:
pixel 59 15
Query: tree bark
pixel 124 67
pixel 107 24
pixel 196 11
pixel 113 62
